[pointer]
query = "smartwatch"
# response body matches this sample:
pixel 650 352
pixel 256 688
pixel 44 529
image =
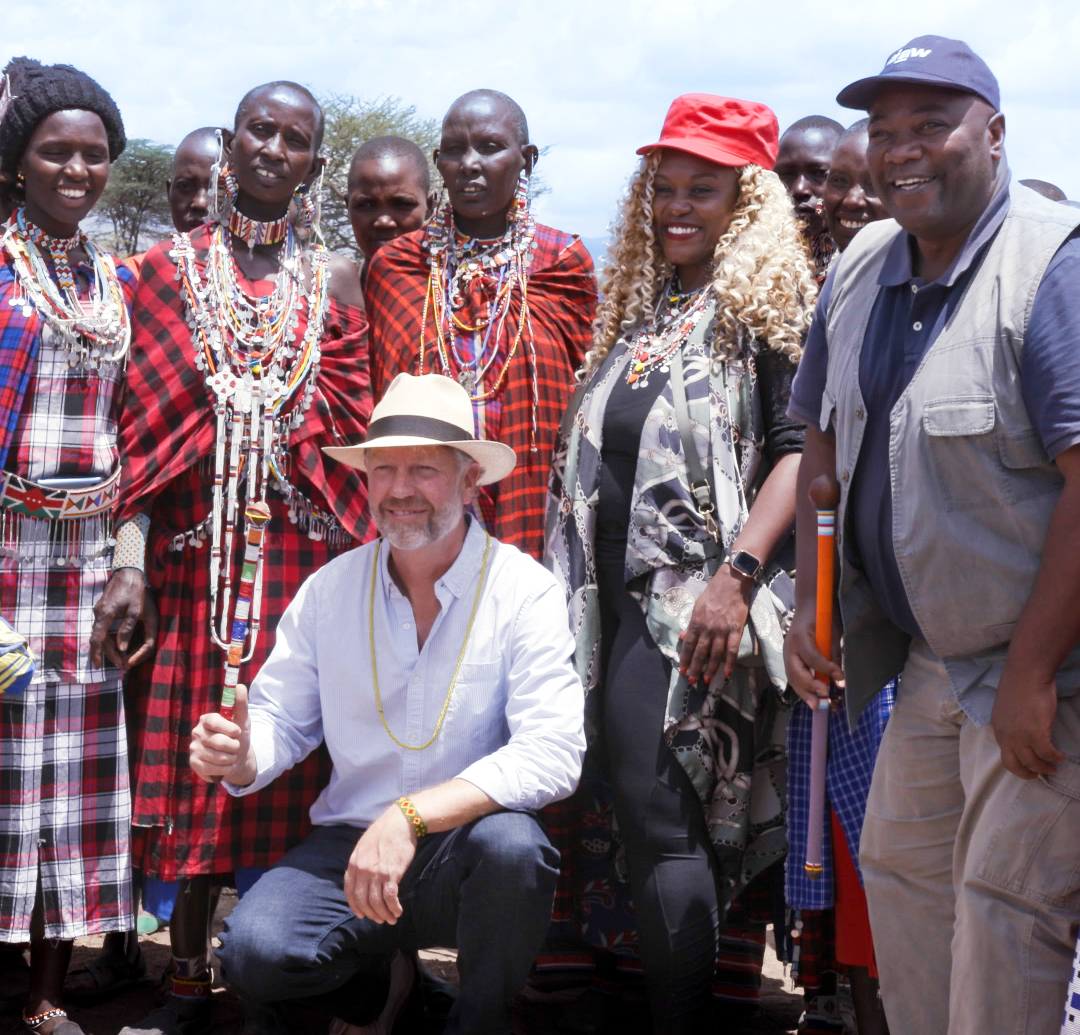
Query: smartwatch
pixel 746 564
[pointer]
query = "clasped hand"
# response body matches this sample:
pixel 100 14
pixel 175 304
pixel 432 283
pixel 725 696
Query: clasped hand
pixel 377 865
pixel 712 636
pixel 125 598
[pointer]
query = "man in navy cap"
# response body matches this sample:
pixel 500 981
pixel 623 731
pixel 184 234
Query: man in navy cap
pixel 941 385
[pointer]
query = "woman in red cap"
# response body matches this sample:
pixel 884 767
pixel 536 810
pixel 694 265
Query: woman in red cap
pixel 674 567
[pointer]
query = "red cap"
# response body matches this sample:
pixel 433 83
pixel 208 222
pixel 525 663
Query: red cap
pixel 720 129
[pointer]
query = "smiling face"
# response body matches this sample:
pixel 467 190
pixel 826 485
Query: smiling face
pixel 189 188
pixel 693 201
pixel 273 150
pixel 418 494
pixel 935 157
pixel 849 200
pixel 386 199
pixel 66 166
pixel 803 165
pixel 480 157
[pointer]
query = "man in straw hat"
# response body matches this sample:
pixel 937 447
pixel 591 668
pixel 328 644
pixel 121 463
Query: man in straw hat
pixel 435 663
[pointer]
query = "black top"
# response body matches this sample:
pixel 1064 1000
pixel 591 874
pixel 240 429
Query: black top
pixel 624 419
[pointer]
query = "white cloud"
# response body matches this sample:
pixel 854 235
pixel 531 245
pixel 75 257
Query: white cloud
pixel 594 78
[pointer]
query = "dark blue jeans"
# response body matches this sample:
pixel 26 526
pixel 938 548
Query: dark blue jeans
pixel 485 888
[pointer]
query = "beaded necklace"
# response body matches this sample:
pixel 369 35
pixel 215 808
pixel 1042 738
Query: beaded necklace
pixel 457 667
pixel 245 345
pixel 252 232
pixel 91 332
pixel 654 344
pixel 462 266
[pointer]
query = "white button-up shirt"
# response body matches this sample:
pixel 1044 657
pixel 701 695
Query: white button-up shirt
pixel 514 724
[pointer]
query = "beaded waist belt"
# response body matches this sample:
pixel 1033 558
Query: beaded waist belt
pixel 29 499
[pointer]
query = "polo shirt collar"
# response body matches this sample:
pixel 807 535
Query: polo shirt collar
pixel 897 269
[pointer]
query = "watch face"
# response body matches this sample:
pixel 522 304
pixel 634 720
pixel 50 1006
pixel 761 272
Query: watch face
pixel 745 562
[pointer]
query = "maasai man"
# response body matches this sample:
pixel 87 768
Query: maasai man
pixel 188 189
pixel 247 305
pixel 120 963
pixel 64 336
pixel 389 192
pixel 491 298
pixel 806 149
pixel 832 909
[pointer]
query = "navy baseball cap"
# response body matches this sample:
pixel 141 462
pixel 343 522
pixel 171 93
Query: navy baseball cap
pixel 932 61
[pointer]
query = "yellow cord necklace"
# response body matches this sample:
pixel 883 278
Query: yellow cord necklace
pixel 457 667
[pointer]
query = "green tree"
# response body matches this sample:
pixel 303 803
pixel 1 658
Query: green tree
pixel 349 122
pixel 134 201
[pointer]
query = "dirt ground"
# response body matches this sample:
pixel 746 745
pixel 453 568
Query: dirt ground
pixel 549 1015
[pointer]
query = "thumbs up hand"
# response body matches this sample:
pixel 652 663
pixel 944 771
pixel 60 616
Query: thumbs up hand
pixel 221 748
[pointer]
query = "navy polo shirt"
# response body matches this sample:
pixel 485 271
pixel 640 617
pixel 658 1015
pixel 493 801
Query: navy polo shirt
pixel 907 317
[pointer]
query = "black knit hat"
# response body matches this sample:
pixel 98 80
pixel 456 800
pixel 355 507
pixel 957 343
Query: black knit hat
pixel 39 90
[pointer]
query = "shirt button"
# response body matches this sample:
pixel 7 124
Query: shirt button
pixel 844 477
pixel 413 738
pixel 859 414
pixel 407 625
pixel 914 289
pixel 917 325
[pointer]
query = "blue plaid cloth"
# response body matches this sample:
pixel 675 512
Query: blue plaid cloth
pixel 847 785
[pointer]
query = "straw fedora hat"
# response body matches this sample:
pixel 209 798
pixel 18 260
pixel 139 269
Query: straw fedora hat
pixel 405 416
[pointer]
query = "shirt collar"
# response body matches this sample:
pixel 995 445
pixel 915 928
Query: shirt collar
pixel 460 576
pixel 897 270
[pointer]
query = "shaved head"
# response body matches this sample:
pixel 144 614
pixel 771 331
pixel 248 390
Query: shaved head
pixel 822 123
pixel 199 142
pixel 378 148
pixel 494 101
pixel 282 85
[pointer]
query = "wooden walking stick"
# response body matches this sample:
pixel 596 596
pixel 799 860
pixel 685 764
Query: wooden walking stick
pixel 825 493
pixel 257 515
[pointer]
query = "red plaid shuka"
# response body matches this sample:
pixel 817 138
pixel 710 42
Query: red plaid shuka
pixel 184 826
pixel 562 303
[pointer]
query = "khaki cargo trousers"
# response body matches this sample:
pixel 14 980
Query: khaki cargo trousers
pixel 972 874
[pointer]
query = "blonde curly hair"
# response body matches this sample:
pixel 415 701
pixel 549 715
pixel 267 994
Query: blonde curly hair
pixel 761 269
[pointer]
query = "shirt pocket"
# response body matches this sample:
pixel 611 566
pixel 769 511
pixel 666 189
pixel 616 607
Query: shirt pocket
pixel 1032 850
pixel 1037 475
pixel 963 450
pixel 479 697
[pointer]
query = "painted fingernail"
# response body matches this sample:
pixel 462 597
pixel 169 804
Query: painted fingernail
pixel 682 671
pixel 727 673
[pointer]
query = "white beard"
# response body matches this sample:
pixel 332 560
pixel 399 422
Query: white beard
pixel 408 537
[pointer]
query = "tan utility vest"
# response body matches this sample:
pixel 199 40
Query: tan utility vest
pixel 972 487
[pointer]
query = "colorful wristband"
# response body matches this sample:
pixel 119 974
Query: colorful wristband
pixel 408 810
pixel 130 549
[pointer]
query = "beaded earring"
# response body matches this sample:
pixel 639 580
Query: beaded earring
pixel 223 188
pixel 519 207
pixel 309 208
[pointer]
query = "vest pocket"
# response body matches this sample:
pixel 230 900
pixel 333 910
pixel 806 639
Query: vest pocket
pixel 963 451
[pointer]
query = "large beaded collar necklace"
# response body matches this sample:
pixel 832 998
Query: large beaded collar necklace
pixel 481 276
pixel 262 382
pixel 253 233
pixel 93 331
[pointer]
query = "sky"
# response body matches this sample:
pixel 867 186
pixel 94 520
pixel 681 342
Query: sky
pixel 594 77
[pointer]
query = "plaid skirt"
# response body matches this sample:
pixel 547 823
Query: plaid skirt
pixel 65 811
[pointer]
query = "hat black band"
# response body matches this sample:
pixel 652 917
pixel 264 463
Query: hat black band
pixel 417 427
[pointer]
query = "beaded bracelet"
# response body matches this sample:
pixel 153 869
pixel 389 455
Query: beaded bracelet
pixel 408 810
pixel 130 549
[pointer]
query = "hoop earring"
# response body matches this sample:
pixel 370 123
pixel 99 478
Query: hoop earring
pixel 223 189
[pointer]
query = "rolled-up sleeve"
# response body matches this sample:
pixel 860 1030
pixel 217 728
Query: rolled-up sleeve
pixel 545 709
pixel 283 702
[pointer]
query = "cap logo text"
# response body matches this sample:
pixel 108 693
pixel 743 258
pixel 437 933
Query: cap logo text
pixel 910 52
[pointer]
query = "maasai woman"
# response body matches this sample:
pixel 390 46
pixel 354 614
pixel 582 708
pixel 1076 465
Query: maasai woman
pixel 676 600
pixel 490 297
pixel 64 339
pixel 831 919
pixel 249 356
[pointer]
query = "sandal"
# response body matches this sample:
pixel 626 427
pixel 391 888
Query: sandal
pixel 32 1025
pixel 108 975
